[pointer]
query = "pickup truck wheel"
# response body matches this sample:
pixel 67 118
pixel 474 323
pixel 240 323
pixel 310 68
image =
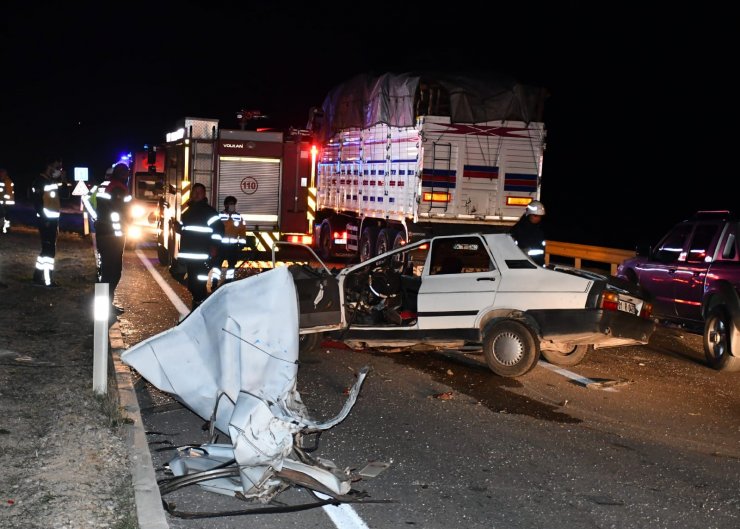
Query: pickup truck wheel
pixel 309 342
pixel 717 347
pixel 510 348
pixel 567 358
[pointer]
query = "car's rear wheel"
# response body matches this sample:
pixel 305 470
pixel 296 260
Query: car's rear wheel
pixel 571 357
pixel 717 345
pixel 510 348
pixel 309 342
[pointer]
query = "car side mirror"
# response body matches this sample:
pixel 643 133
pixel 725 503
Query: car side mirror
pixel 642 250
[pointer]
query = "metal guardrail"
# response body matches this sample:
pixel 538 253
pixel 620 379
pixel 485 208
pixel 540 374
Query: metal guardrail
pixel 582 252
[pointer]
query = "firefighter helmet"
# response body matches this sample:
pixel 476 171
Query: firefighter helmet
pixel 535 208
pixel 120 171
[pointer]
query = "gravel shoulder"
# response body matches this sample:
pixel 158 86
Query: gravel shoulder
pixel 63 457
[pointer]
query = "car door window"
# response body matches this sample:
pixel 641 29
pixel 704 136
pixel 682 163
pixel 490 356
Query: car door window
pixel 459 255
pixel 701 243
pixel 672 246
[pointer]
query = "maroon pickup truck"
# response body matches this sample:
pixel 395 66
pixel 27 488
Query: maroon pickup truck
pixel 693 274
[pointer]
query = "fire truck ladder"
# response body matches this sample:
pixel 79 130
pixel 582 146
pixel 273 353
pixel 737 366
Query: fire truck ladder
pixel 441 161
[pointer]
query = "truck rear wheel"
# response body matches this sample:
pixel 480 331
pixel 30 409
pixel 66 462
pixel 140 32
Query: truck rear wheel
pixel 510 348
pixel 386 237
pixel 368 240
pixel 717 345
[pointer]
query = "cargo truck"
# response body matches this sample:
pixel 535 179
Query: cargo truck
pixel 408 156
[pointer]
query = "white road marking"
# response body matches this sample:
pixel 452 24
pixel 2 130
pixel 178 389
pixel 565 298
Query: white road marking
pixel 174 298
pixel 585 382
pixel 343 516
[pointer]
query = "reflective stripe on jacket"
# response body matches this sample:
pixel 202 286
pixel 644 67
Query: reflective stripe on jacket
pixel 201 231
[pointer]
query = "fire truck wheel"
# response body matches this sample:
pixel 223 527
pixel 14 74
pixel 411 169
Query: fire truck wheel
pixel 163 255
pixel 325 246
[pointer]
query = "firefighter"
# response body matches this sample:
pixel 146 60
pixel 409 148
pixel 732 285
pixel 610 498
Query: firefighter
pixel 528 234
pixel 200 231
pixel 46 202
pixel 111 216
pixel 232 243
pixel 7 198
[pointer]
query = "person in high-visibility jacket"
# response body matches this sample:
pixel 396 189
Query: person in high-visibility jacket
pixel 111 219
pixel 7 198
pixel 45 194
pixel 232 243
pixel 201 230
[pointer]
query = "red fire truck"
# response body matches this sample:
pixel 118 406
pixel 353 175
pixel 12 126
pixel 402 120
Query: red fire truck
pixel 147 189
pixel 268 172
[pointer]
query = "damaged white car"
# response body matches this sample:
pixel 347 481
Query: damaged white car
pixel 234 363
pixel 480 288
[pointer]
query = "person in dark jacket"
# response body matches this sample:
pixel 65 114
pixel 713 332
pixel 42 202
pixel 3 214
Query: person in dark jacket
pixel 45 196
pixel 112 215
pixel 201 230
pixel 528 233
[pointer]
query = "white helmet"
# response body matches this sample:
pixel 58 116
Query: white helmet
pixel 535 208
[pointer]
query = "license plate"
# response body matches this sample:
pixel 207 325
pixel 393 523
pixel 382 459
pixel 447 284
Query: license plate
pixel 626 306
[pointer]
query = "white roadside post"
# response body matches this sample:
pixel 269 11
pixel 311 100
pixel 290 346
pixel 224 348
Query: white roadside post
pixel 100 340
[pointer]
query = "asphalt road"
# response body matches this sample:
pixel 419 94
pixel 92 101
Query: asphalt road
pixel 634 437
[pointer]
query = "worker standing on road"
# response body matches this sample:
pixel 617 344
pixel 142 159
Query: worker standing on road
pixel 111 217
pixel 46 202
pixel 201 231
pixel 528 233
pixel 7 198
pixel 232 243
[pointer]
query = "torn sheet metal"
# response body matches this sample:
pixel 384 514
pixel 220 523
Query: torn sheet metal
pixel 234 361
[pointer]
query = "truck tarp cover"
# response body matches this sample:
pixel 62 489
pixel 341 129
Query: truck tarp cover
pixel 366 100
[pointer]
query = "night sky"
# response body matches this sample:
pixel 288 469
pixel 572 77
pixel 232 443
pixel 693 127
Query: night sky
pixel 640 118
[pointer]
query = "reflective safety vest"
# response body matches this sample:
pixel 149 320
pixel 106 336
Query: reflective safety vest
pixel 235 231
pixel 47 202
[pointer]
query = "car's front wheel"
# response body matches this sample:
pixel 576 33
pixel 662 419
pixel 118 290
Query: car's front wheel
pixel 717 345
pixel 567 356
pixel 510 348
pixel 308 342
